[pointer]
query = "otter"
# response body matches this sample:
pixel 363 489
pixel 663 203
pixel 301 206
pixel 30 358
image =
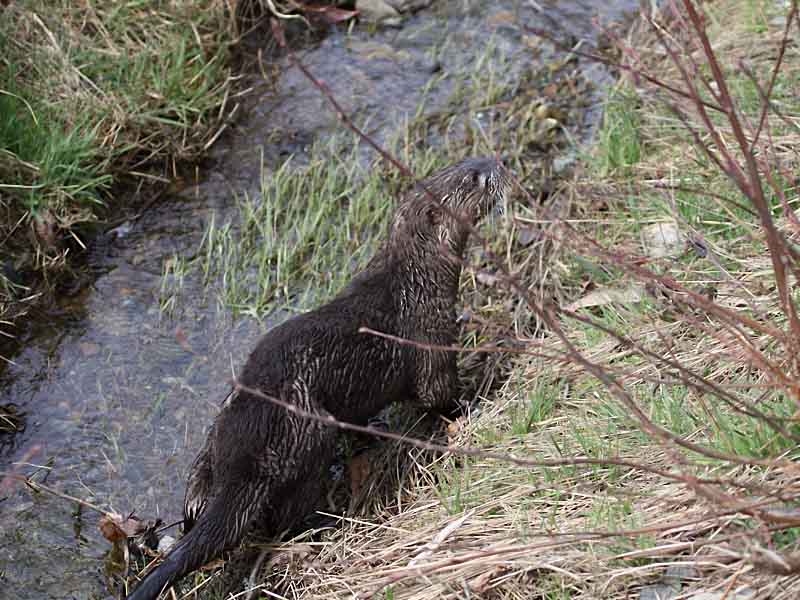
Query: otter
pixel 264 466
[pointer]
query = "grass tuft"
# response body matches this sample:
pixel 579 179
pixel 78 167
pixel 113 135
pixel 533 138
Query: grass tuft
pixel 92 94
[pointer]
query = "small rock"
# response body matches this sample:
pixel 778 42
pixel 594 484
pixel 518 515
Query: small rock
pixel 409 5
pixel 681 573
pixel 487 279
pixel 778 22
pixel 549 124
pixel 659 591
pixel 561 164
pixel 542 112
pixel 377 11
pixel 527 235
pixel 121 231
pixel 165 543
pixel 660 240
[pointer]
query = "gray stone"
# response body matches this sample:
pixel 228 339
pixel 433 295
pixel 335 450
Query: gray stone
pixel 681 573
pixel 409 5
pixel 376 11
pixel 743 593
pixel 165 543
pixel 659 591
pixel 660 240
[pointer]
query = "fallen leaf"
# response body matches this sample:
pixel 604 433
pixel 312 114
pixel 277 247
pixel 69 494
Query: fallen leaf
pixel 116 528
pixel 604 296
pixel 504 17
pixel 527 235
pixel 213 565
pixel 454 428
pixel 359 468
pixel 480 584
pixel 376 10
pixel 284 558
pixel 330 14
pixel 182 339
pixel 89 348
pixel 486 278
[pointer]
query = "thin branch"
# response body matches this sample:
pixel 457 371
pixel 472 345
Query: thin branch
pixel 766 102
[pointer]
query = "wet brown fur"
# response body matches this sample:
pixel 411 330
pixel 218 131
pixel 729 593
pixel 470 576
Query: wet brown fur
pixel 264 466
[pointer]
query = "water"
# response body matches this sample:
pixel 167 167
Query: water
pixel 117 396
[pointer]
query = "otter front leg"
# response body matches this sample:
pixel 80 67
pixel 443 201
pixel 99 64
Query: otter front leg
pixel 436 381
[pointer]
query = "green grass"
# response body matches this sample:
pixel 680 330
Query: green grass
pixel 59 162
pixel 749 436
pixel 539 405
pixel 455 489
pixel 619 143
pixel 126 84
pixel 300 242
pixel 92 95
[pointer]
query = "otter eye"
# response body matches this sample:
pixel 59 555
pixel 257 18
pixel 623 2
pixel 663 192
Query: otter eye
pixel 478 179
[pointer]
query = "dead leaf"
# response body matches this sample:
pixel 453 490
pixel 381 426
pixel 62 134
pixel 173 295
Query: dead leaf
pixel 295 553
pixel 527 235
pixel 213 565
pixel 182 339
pixel 454 428
pixel 89 348
pixel 360 469
pixel 329 14
pixel 504 17
pixel 45 227
pixel 486 278
pixel 116 528
pixel 480 584
pixel 603 296
pixel 376 11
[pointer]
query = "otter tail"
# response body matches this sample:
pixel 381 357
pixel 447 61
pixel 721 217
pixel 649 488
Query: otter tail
pixel 220 526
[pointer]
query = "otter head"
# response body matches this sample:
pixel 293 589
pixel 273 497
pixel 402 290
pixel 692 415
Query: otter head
pixel 442 209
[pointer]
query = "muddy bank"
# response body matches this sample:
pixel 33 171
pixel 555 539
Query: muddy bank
pixel 117 392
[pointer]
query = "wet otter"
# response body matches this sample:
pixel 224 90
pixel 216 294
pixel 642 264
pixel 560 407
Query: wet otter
pixel 262 465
